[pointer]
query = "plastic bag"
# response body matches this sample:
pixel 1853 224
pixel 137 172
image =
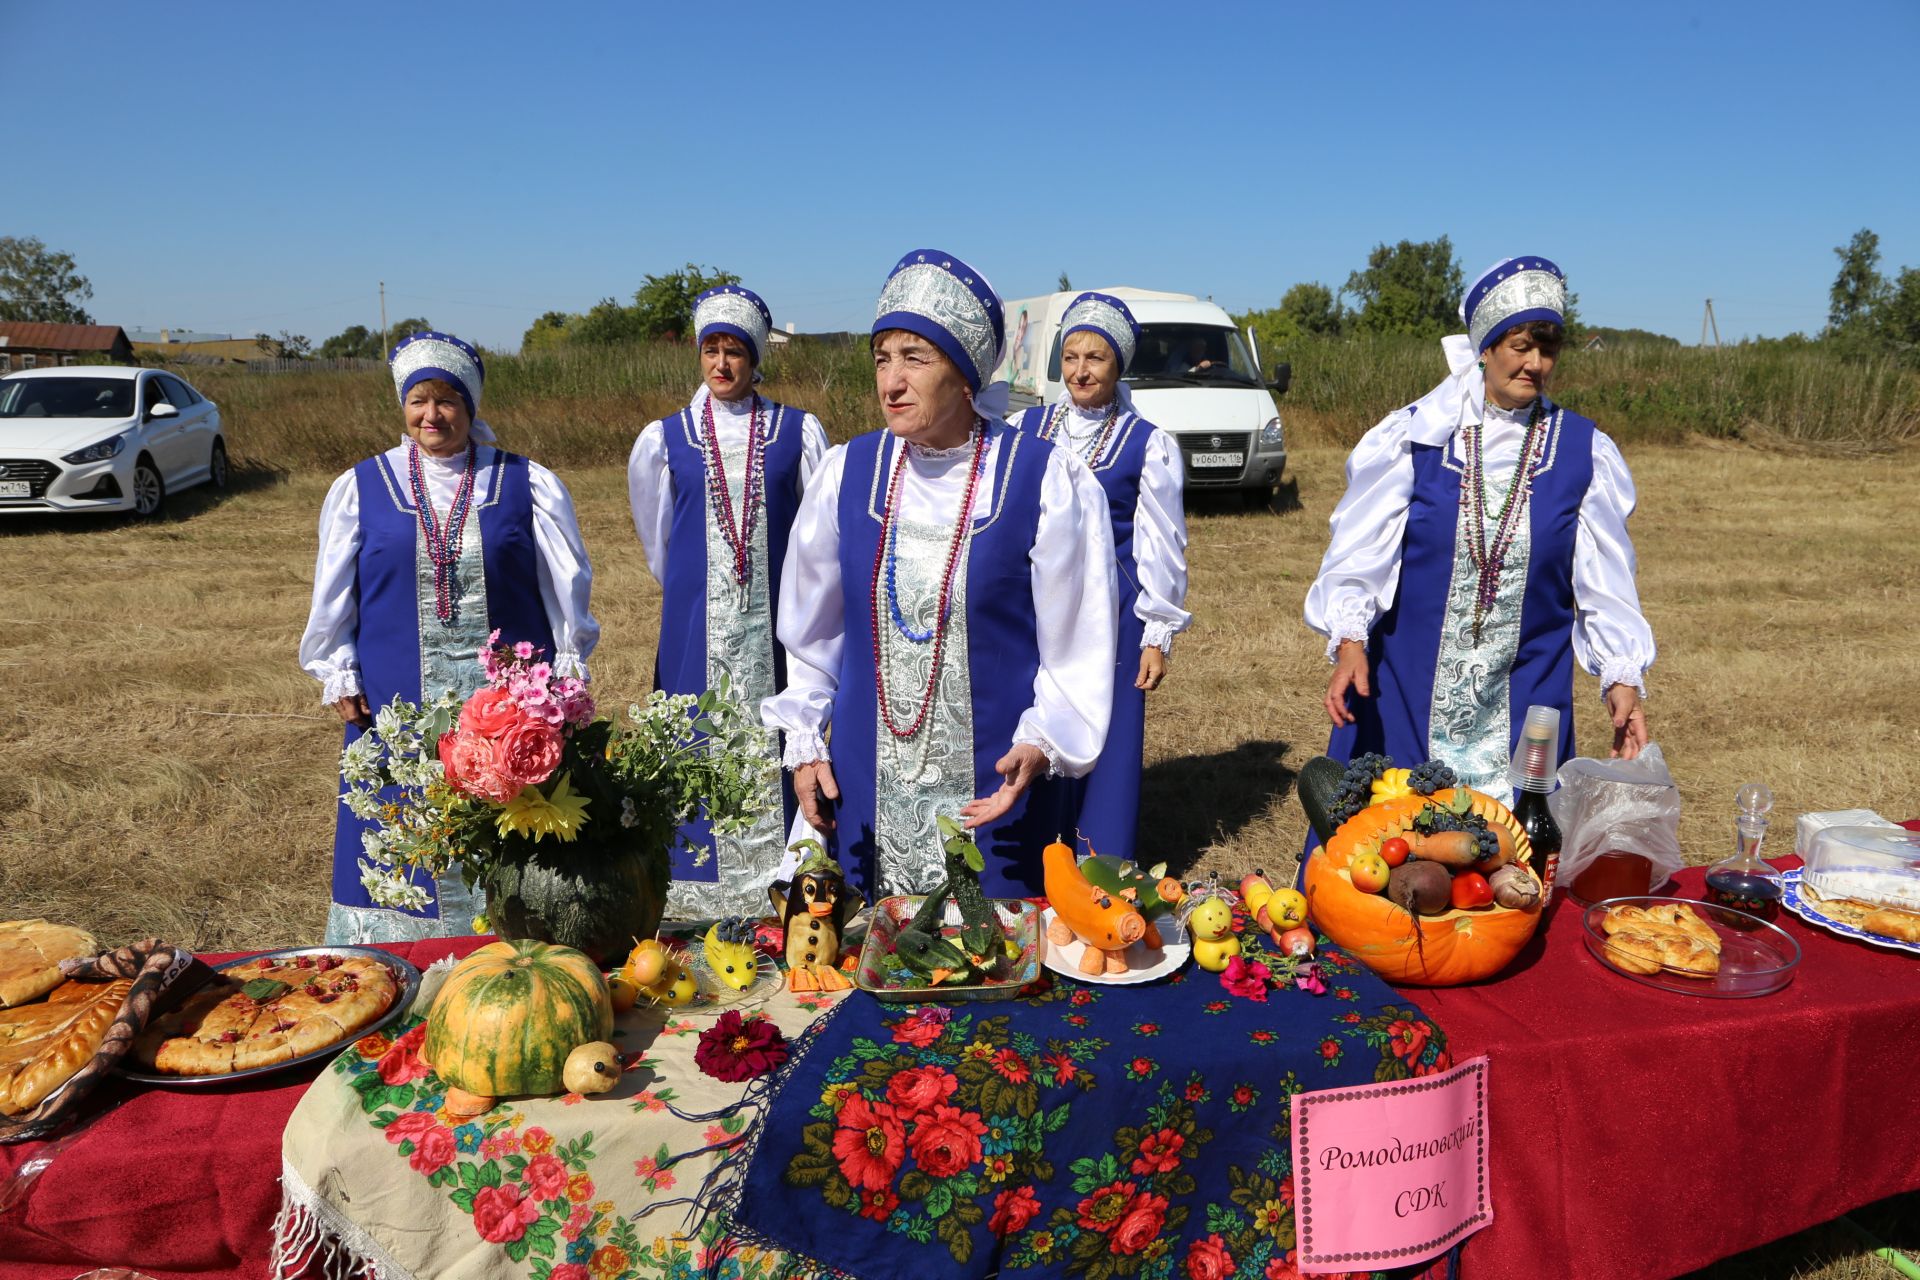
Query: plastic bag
pixel 1625 806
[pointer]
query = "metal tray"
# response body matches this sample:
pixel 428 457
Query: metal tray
pixel 1018 918
pixel 405 977
pixel 1756 958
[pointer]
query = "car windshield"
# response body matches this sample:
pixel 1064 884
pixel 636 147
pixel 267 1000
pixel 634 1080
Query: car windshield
pixel 1191 354
pixel 66 398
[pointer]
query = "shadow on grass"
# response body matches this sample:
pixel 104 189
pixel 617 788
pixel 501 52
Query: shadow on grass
pixel 1284 500
pixel 245 477
pixel 1191 802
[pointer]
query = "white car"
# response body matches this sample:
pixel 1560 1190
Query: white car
pixel 104 438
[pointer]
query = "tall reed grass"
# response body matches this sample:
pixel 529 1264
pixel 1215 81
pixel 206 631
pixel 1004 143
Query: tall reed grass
pixel 584 406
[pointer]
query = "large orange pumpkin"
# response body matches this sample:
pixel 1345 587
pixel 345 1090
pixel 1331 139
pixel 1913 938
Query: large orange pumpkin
pixel 1422 951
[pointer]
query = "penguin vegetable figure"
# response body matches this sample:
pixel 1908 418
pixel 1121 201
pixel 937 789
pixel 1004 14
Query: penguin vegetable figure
pixel 815 910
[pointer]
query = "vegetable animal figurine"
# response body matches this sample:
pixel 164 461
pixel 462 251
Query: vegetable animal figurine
pixel 1107 924
pixel 814 912
pixel 1274 910
pixel 1413 934
pixel 981 938
pixel 729 951
pixel 591 1068
pixel 1213 940
pixel 1153 891
pixel 509 1015
pixel 920 947
pixel 661 973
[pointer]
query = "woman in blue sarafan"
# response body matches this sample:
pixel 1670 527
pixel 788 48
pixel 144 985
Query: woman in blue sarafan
pixel 425 550
pixel 714 490
pixel 1481 549
pixel 947 608
pixel 1138 465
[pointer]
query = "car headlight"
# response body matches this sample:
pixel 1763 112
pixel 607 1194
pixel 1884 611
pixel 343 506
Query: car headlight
pixel 98 452
pixel 1271 436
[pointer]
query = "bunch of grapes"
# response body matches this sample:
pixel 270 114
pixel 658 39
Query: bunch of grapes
pixel 737 929
pixel 1489 842
pixel 1355 791
pixel 1430 777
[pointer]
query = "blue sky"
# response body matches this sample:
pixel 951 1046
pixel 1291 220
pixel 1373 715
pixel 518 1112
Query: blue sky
pixel 261 167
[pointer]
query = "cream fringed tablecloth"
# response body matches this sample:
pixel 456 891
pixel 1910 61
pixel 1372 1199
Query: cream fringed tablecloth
pixel 378 1179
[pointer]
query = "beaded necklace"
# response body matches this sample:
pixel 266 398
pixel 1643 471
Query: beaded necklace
pixel 1489 561
pixel 443 542
pixel 740 538
pixel 1054 423
pixel 885 562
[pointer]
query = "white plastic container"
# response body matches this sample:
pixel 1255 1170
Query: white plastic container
pixel 1875 865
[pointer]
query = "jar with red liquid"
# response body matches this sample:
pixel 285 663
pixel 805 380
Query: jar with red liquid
pixel 1613 874
pixel 1747 882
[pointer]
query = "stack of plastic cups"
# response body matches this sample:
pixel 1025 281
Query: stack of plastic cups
pixel 1536 761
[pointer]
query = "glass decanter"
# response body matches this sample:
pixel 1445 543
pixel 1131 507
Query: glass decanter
pixel 1746 882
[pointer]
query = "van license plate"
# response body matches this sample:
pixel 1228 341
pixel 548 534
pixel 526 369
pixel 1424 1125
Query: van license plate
pixel 1219 459
pixel 15 489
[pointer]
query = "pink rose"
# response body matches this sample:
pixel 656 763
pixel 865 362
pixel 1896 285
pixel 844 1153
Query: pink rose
pixel 1141 1225
pixel 473 764
pixel 946 1141
pixel 412 1125
pixel 570 1271
pixel 401 1062
pixel 530 753
pixel 546 1178
pixel 489 713
pixel 434 1151
pixel 918 1090
pixel 501 1215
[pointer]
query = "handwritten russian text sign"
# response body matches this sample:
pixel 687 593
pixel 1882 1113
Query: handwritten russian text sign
pixel 1387 1175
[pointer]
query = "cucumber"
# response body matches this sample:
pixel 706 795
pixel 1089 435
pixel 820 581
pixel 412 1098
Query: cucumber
pixel 1103 872
pixel 1318 783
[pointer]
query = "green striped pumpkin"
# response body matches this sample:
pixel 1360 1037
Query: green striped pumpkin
pixel 509 1015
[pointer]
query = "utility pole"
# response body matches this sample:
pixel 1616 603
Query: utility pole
pixel 1708 322
pixel 383 319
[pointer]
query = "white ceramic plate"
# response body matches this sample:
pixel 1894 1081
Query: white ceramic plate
pixel 1791 899
pixel 1143 965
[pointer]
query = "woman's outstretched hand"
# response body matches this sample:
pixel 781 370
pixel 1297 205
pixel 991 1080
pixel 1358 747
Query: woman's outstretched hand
pixel 815 789
pixel 1020 767
pixel 1629 721
pixel 1349 672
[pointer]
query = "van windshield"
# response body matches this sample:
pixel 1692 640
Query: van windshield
pixel 1191 354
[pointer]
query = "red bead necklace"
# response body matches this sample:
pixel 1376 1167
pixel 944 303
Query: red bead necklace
pixel 740 538
pixel 443 541
pixel 889 531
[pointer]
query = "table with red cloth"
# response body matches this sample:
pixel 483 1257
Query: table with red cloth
pixel 1635 1132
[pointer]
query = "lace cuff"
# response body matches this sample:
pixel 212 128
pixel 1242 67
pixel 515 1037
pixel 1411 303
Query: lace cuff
pixel 343 683
pixel 1625 671
pixel 568 663
pixel 803 748
pixel 1029 738
pixel 1352 619
pixel 1158 635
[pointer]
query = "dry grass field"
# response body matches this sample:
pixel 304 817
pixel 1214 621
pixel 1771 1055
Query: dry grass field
pixel 166 770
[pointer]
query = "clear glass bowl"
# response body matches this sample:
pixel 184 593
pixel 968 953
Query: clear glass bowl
pixel 1756 958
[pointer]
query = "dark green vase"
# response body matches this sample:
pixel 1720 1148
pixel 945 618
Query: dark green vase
pixel 589 897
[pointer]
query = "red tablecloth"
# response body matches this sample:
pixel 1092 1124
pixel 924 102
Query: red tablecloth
pixel 1642 1133
pixel 182 1184
pixel 1635 1133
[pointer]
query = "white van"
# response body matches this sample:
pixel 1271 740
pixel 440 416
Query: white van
pixel 1194 375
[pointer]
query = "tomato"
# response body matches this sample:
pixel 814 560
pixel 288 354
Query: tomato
pixel 1470 889
pixel 1395 851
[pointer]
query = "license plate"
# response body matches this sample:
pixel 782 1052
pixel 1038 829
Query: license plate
pixel 15 489
pixel 1219 459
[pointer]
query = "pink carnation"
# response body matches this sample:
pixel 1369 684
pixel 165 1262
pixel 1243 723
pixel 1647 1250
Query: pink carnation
pixel 529 753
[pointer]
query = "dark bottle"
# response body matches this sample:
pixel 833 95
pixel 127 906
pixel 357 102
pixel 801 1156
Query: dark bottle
pixel 1534 767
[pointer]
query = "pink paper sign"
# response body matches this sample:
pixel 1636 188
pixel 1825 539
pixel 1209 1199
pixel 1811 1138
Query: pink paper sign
pixel 1388 1175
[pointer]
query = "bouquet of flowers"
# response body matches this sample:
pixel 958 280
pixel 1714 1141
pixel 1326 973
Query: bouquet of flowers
pixel 483 783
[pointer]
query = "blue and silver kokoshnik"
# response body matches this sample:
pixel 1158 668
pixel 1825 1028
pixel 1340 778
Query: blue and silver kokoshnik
pixel 1513 291
pixel 951 305
pixel 1107 316
pixel 732 309
pixel 428 354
